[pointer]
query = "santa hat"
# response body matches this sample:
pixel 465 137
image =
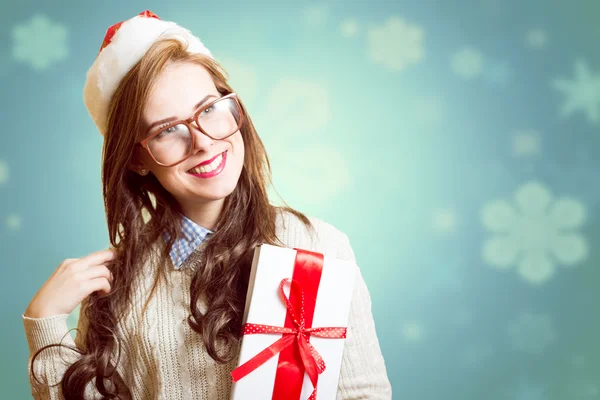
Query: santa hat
pixel 124 45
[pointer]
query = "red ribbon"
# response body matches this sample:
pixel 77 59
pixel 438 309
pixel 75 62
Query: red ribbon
pixel 297 354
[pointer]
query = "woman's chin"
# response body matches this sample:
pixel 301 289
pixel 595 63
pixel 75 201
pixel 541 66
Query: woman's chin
pixel 214 194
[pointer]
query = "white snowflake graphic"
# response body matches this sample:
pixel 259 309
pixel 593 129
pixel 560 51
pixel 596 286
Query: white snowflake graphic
pixel 445 220
pixel 535 233
pixel 581 93
pixel 349 28
pixel 532 333
pixel 396 44
pixel 297 169
pixel 467 63
pixel 316 14
pixel 3 172
pixel 412 331
pixel 526 142
pixel 40 42
pixel 536 38
pixel 13 222
pixel 297 106
pixel 243 79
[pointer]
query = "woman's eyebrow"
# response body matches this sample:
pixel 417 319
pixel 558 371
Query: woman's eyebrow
pixel 198 105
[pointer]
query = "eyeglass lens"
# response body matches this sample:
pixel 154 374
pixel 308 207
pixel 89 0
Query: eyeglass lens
pixel 174 142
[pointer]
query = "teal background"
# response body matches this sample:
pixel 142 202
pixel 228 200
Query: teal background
pixel 455 142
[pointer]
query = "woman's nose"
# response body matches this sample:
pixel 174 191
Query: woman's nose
pixel 201 141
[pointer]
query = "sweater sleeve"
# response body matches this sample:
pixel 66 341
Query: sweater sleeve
pixel 51 363
pixel 363 373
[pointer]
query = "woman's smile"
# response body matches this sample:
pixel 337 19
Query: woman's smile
pixel 213 168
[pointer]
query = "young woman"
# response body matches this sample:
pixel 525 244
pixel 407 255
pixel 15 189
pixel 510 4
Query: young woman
pixel 185 188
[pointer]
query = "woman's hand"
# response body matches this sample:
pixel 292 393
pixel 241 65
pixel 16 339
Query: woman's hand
pixel 70 283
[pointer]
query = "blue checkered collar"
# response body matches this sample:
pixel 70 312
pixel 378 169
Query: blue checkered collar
pixel 193 236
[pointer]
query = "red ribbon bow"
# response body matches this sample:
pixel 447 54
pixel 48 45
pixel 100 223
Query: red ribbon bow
pixel 300 334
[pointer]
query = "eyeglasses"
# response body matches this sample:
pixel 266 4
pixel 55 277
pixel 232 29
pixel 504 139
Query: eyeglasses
pixel 173 143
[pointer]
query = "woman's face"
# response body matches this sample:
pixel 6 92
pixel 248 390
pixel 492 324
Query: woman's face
pixel 178 90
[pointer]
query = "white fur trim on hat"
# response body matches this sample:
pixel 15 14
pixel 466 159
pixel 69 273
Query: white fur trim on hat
pixel 128 45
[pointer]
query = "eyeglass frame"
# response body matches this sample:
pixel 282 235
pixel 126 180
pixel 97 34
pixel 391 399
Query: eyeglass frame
pixel 187 122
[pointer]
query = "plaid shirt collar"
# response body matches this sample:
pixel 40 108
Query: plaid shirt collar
pixel 193 236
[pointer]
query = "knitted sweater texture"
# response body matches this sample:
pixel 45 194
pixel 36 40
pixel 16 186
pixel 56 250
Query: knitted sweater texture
pixel 163 358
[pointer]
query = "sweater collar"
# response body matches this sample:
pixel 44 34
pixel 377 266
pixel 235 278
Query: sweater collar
pixel 192 236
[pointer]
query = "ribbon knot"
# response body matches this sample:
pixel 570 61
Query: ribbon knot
pixel 311 360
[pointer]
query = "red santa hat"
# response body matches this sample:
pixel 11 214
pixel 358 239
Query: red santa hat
pixel 124 45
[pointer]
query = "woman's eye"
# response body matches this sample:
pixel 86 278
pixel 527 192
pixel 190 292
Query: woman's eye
pixel 206 111
pixel 167 131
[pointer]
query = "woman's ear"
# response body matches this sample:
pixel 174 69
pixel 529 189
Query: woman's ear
pixel 139 168
pixel 136 165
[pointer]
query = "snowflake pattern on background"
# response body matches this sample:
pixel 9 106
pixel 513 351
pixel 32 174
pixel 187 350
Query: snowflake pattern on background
pixel 535 233
pixel 536 38
pixel 581 93
pixel 467 63
pixel 396 44
pixel 518 151
pixel 40 42
pixel 349 28
pixel 532 333
pixel 13 222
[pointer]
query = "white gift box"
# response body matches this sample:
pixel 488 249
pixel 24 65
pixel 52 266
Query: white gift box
pixel 264 306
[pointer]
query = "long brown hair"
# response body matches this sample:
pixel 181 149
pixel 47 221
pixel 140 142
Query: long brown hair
pixel 247 220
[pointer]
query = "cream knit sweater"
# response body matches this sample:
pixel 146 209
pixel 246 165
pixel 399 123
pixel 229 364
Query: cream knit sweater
pixel 162 358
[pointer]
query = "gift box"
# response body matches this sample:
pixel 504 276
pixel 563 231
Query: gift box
pixel 294 325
